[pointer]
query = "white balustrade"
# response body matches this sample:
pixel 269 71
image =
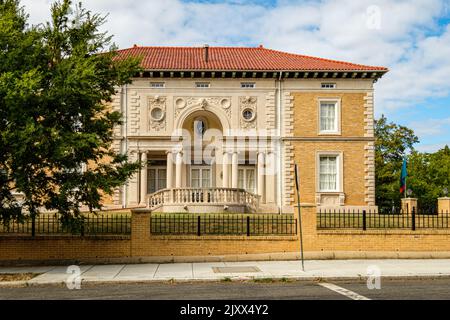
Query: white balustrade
pixel 206 196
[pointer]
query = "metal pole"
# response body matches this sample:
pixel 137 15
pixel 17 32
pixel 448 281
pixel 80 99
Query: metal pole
pixel 299 215
pixel 33 225
pixel 364 220
pixel 248 226
pixel 406 187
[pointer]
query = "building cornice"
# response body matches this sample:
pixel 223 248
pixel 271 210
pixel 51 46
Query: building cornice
pixel 264 74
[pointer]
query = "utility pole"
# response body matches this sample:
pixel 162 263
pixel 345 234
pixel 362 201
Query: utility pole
pixel 297 184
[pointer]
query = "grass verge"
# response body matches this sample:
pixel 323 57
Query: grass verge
pixel 8 277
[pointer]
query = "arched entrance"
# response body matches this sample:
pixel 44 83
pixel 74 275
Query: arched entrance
pixel 203 175
pixel 202 147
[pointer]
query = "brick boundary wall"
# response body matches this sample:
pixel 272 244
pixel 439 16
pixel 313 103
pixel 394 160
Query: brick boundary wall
pixel 141 246
pixel 371 240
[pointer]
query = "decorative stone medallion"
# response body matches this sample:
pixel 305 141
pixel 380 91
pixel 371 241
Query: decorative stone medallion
pixel 180 103
pixel 157 113
pixel 223 103
pixel 247 107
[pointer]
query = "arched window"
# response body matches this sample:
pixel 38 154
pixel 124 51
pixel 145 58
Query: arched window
pixel 199 127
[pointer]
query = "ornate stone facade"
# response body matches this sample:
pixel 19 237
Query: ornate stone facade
pixel 271 116
pixel 247 105
pixel 369 150
pixel 288 154
pixel 134 115
pixel 223 103
pixel 289 119
pixel 157 113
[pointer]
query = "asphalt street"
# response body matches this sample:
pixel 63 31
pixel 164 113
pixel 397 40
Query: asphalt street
pixel 410 289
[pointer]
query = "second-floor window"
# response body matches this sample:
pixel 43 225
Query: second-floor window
pixel 328 117
pixel 202 85
pixel 199 127
pixel 328 85
pixel 247 85
pixel 157 84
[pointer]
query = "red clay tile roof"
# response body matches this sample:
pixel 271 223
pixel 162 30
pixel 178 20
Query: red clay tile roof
pixel 235 58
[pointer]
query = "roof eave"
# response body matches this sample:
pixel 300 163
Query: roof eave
pixel 248 73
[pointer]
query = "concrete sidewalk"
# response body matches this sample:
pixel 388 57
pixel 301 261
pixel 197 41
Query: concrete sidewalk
pixel 216 271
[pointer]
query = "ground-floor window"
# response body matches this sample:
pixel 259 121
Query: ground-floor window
pixel 200 177
pixel 156 179
pixel 246 179
pixel 328 173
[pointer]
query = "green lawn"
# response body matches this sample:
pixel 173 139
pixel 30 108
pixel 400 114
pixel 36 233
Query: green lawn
pixel 222 224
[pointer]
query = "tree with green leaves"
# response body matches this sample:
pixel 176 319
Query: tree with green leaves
pixel 429 174
pixel 393 143
pixel 56 80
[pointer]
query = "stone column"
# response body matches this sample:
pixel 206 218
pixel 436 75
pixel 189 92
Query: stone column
pixel 234 170
pixel 143 186
pixel 225 169
pixel 133 184
pixel 178 169
pixel 270 185
pixel 408 204
pixel 169 170
pixel 444 205
pixel 261 175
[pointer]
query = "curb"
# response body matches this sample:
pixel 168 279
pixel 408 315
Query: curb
pixel 22 284
pixel 274 256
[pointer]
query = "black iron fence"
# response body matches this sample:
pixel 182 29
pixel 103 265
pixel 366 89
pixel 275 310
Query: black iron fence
pixel 382 219
pixel 223 224
pixel 92 224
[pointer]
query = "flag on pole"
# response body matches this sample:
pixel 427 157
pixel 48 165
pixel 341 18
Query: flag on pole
pixel 403 177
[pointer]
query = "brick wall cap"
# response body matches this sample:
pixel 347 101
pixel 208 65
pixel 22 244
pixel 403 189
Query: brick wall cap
pixel 141 211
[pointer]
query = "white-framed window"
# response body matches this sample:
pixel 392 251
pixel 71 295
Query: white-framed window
pixel 328 85
pixel 247 178
pixel 329 114
pixel 247 85
pixel 80 168
pixel 157 84
pixel 329 173
pixel 156 178
pixel 202 84
pixel 200 177
pixel 248 114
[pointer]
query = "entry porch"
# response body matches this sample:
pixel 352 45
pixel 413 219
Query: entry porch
pixel 230 182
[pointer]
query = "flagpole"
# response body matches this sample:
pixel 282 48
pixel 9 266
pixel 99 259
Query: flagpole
pixel 406 181
pixel 404 192
pixel 403 178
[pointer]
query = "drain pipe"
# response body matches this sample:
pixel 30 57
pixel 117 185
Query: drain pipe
pixel 124 105
pixel 280 157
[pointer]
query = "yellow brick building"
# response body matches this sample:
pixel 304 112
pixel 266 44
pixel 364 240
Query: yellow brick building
pixel 220 129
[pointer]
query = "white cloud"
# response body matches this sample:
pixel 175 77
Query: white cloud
pixel 431 127
pixel 430 148
pixel 424 74
pixel 338 29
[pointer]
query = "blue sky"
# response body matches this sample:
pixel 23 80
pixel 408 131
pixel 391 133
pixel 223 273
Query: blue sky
pixel 410 37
